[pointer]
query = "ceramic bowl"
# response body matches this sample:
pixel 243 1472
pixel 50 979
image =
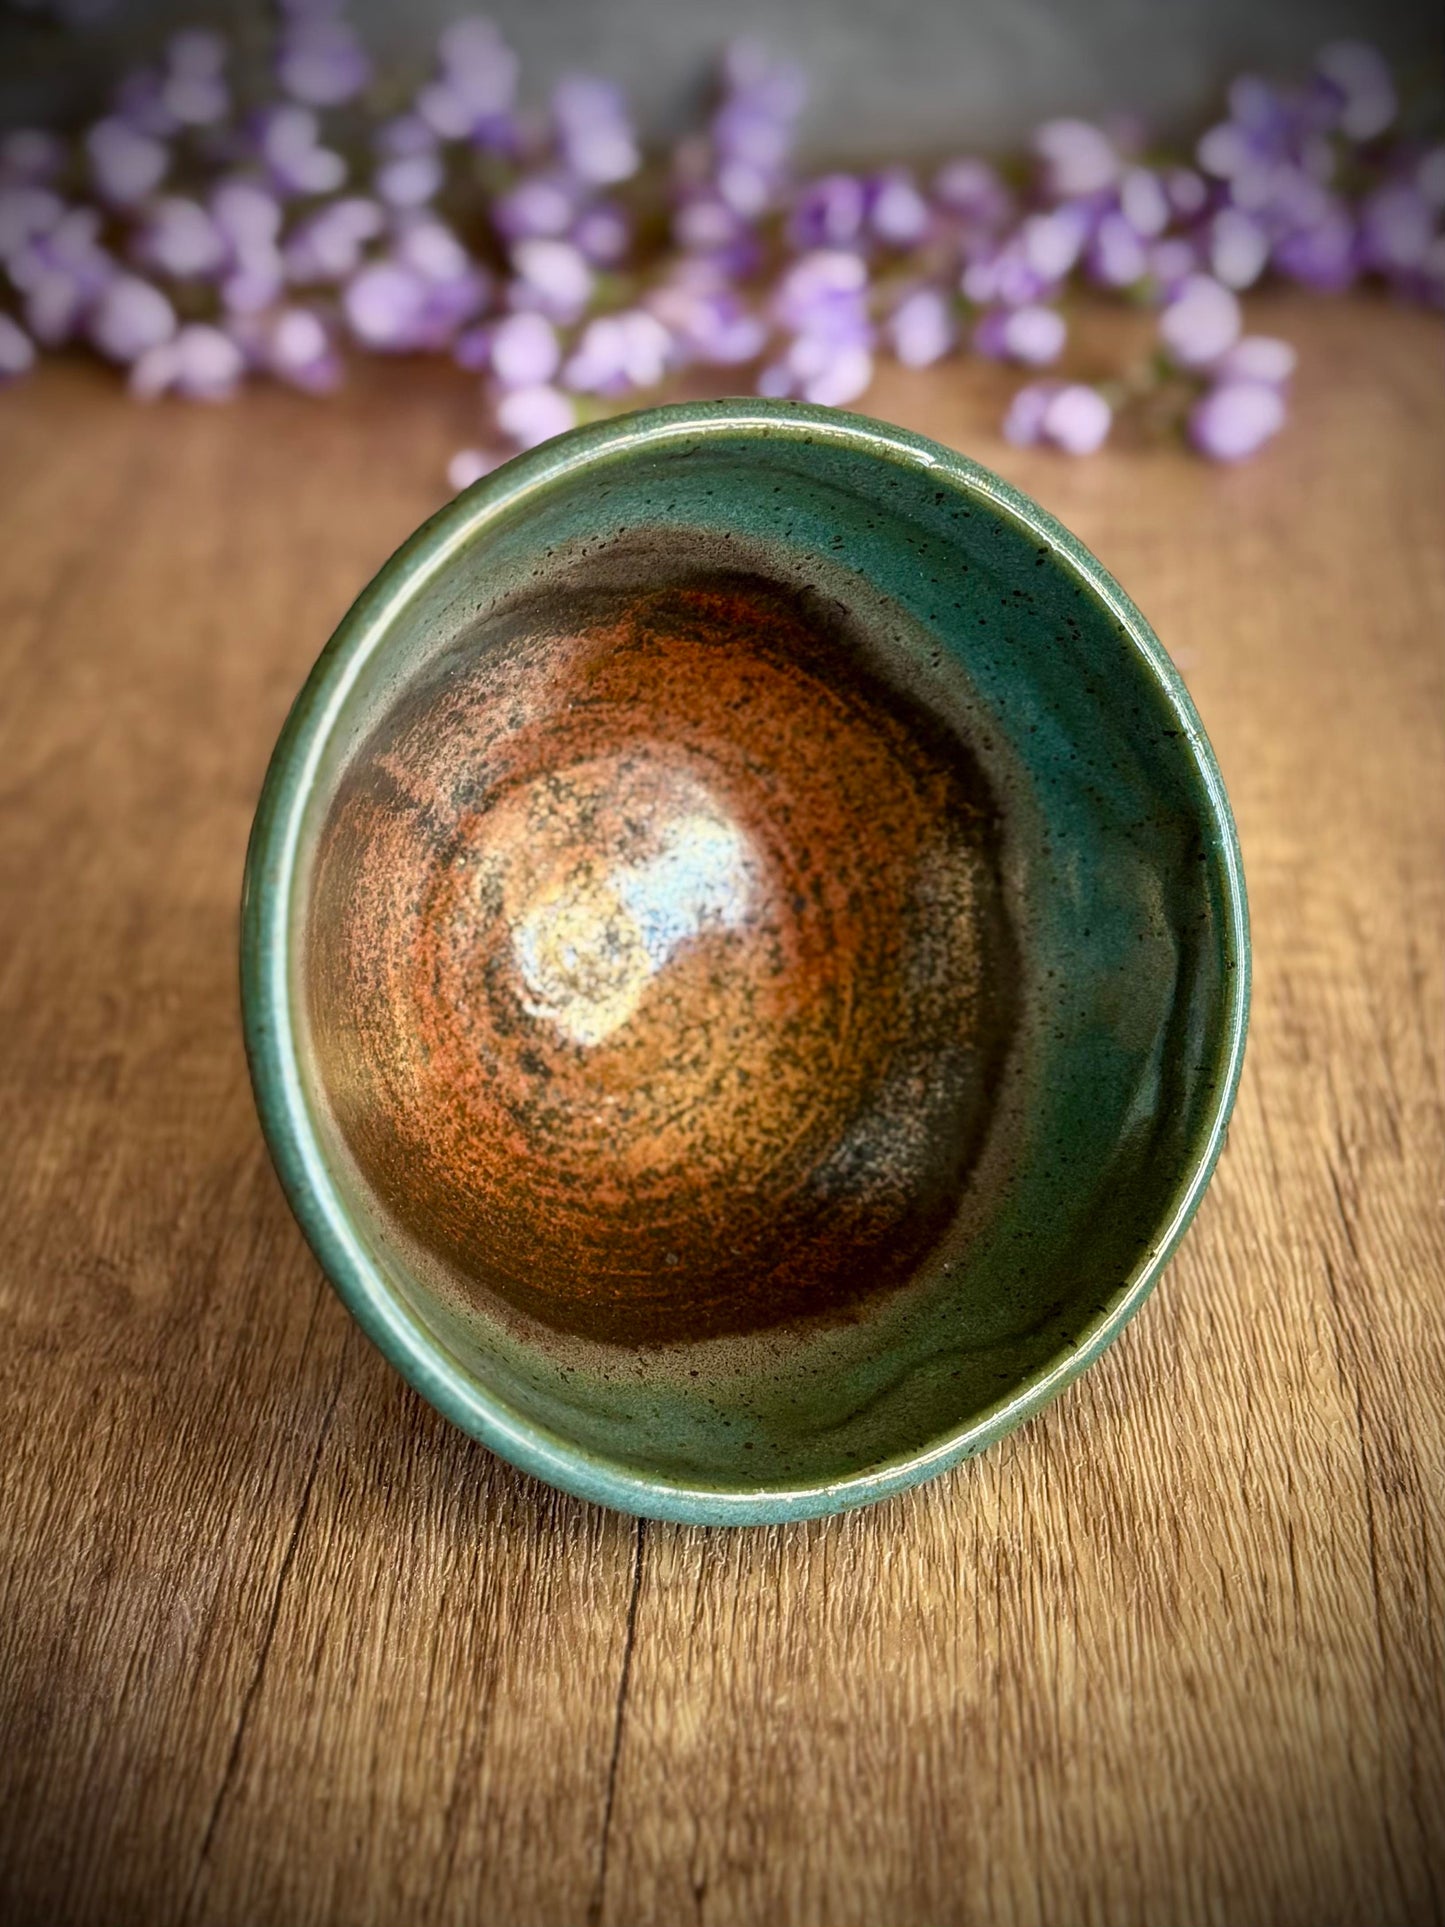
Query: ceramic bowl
pixel 744 960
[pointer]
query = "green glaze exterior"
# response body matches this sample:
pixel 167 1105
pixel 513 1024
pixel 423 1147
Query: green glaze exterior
pixel 1129 906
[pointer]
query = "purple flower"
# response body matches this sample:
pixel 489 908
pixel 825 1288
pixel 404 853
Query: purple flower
pixel 618 352
pixel 73 243
pixel 252 287
pixel 1003 275
pixel 1296 199
pixel 745 189
pixel 1186 191
pixel 1234 153
pixel 825 293
pixel 445 111
pixel 974 190
pixel 328 245
pixel 248 214
pixel 826 372
pixel 1256 358
pixel 1032 262
pixel 755 124
pixel 707 319
pixel 1172 262
pixel 449 298
pixel 456 288
pixel 131 316
pixel 287 137
pixel 430 246
pixel 385 306
pixel 1066 415
pixel 1076 158
pixel 897 213
pixel 200 362
pixel 297 347
pixel 1257 108
pixel 321 62
pixel 17 350
pixel 1052 242
pixel 479 64
pixel 126 166
pixel 478 83
pixel 1235 419
pixel 1023 425
pixel 1357 81
pixel 705 224
pixel 1200 323
pixel 746 132
pixel 553 276
pixel 1032 335
pixel 1238 248
pixel 725 180
pixel 61 274
pixel 408 180
pixel 533 415
pixel 524 350
pixel 1301 181
pixel 54 303
pixel 1397 226
pixel 1117 256
pixel 593 130
pixel 832 375
pixel 25 214
pixel 181 240
pixel 249 218
pixel 540 206
pixel 829 213
pixel 1322 254
pixel 604 234
pixel 469 465
pixel 921 329
pixel 1144 201
pixel 193 92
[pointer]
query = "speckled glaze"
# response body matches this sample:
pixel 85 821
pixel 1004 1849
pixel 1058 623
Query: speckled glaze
pixel 744 960
pixel 659 970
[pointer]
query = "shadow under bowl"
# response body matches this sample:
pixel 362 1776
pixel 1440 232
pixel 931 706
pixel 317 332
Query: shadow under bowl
pixel 744 960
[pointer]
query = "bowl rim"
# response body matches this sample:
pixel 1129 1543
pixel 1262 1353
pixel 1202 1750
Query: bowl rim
pixel 269 922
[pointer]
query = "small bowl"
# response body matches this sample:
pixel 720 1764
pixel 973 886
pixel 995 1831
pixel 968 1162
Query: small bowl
pixel 744 960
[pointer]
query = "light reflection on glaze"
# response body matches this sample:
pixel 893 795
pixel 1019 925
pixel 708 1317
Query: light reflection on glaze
pixel 590 937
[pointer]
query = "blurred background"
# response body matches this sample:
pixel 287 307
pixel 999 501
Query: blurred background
pixel 887 77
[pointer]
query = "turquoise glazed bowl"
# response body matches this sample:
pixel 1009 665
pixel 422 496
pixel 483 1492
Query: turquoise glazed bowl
pixel 744 960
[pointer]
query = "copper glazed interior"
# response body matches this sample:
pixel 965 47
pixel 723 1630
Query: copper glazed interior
pixel 660 976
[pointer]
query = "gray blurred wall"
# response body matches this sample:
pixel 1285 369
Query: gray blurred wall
pixel 888 75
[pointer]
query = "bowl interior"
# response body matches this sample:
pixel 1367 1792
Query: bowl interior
pixel 762 953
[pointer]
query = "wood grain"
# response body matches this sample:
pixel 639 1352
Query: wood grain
pixel 277 1645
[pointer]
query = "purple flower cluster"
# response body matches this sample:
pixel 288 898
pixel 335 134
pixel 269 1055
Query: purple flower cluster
pixel 197 236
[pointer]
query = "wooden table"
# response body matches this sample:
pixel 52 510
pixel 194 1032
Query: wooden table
pixel 278 1645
